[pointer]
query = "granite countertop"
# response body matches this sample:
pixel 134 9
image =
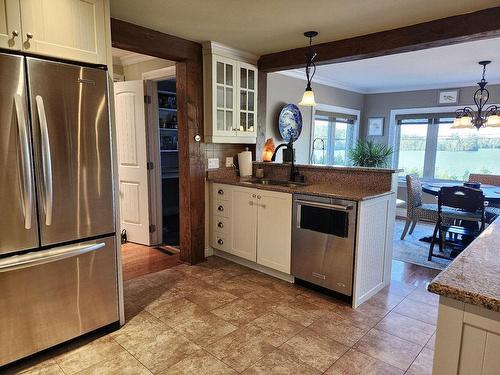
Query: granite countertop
pixel 323 190
pixel 474 276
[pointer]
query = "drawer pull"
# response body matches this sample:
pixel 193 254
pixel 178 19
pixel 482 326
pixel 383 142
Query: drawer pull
pixel 220 192
pixel 220 224
pixel 220 241
pixel 220 208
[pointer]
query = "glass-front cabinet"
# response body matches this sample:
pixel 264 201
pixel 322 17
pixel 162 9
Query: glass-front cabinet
pixel 230 100
pixel 247 102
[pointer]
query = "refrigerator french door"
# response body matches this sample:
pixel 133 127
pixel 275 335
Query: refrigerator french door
pixel 58 275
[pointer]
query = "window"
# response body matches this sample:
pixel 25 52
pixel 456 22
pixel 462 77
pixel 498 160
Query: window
pixel 429 147
pixel 332 137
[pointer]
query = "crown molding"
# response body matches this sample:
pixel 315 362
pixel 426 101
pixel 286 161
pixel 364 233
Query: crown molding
pixel 339 85
pixel 220 49
pixel 322 81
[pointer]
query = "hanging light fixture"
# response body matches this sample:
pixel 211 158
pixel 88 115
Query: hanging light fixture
pixel 308 98
pixel 481 117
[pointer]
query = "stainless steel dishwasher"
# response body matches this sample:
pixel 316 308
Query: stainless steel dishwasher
pixel 323 240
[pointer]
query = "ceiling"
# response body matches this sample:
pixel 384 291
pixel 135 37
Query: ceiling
pixel 124 58
pixel 442 67
pixel 265 26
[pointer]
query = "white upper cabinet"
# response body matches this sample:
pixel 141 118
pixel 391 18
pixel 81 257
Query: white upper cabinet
pixel 230 95
pixel 68 29
pixel 10 24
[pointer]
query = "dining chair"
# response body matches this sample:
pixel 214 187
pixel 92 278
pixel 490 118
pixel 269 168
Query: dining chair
pixel 488 179
pixel 415 209
pixel 458 206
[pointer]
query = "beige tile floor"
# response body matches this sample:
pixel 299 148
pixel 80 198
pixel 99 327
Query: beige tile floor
pixel 222 318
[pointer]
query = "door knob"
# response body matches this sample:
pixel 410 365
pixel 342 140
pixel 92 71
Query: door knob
pixel 15 33
pixel 29 35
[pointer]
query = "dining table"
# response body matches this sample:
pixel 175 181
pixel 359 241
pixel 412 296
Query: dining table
pixel 491 195
pixel 491 192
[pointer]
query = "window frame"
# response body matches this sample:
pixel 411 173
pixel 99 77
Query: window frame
pixel 430 157
pixel 331 133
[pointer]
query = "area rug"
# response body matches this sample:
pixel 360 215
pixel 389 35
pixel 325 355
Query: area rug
pixel 412 250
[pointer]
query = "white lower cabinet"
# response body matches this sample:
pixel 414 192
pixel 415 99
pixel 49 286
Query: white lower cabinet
pixel 274 230
pixel 244 224
pixel 257 224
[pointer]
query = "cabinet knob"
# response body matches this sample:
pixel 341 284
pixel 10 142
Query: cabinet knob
pixel 220 224
pixel 220 208
pixel 254 195
pixel 220 192
pixel 29 35
pixel 220 241
pixel 15 33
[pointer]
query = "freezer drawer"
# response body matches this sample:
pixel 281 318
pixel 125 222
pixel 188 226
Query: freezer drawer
pixel 51 296
pixel 18 221
pixel 71 139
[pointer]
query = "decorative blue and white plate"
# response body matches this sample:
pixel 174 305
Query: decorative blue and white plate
pixel 290 123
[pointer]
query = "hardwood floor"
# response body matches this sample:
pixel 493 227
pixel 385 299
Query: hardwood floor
pixel 139 260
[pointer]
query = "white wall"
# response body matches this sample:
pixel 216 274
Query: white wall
pixel 282 89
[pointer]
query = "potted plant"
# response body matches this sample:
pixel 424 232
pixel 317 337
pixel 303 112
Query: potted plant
pixel 370 154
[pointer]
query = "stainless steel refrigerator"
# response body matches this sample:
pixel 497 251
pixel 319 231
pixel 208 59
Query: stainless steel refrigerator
pixel 58 273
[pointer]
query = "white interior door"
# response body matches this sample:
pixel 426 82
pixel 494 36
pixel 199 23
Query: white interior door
pixel 132 160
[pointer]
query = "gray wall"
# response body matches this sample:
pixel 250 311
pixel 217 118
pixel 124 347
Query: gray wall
pixel 282 90
pixel 380 105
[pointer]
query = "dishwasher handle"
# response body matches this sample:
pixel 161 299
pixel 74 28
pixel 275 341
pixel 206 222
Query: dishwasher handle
pixel 325 205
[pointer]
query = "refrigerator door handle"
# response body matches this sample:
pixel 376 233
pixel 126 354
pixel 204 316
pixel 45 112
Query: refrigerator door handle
pixel 46 256
pixel 26 161
pixel 46 160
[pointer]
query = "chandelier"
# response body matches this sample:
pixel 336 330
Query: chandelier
pixel 308 98
pixel 468 117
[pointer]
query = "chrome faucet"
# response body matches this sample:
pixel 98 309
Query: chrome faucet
pixel 294 171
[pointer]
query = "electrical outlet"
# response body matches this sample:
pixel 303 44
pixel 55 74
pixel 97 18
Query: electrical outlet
pixel 229 162
pixel 213 163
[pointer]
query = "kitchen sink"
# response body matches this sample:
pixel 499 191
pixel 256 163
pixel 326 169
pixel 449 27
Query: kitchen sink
pixel 284 183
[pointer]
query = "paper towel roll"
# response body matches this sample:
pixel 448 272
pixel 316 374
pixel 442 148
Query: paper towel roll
pixel 245 163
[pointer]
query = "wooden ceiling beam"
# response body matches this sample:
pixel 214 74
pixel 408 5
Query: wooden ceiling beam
pixel 445 31
pixel 140 39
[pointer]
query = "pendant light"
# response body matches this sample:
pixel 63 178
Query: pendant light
pixel 308 97
pixel 468 118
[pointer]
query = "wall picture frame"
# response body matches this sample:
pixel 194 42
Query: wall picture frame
pixel 448 96
pixel 375 126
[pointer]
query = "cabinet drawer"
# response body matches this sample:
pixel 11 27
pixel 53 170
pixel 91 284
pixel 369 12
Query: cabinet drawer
pixel 222 225
pixel 222 208
pixel 221 242
pixel 221 192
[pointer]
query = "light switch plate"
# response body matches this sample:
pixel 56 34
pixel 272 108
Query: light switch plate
pixel 213 163
pixel 229 161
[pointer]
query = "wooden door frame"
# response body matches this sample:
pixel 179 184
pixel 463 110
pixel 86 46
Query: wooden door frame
pixel 150 79
pixel 189 80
